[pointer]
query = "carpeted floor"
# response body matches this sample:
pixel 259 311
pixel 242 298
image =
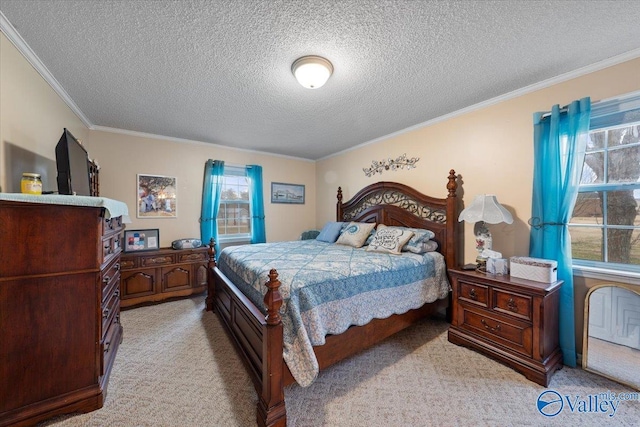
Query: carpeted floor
pixel 177 367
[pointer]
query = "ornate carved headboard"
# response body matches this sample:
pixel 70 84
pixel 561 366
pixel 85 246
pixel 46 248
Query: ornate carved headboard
pixel 392 203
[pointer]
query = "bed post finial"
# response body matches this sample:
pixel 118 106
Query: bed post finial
pixel 212 253
pixel 339 205
pixel 452 185
pixel 211 264
pixel 273 299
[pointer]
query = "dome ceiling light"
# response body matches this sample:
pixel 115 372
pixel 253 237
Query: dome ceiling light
pixel 311 71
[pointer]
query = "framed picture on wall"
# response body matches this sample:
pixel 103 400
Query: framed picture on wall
pixel 157 196
pixel 287 193
pixel 141 240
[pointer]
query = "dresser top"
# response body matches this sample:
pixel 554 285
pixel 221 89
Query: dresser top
pixel 508 281
pixel 114 208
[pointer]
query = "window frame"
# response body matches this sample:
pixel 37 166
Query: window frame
pixel 603 118
pixel 234 171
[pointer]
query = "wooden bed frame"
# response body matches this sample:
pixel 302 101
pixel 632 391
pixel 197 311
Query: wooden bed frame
pixel 259 338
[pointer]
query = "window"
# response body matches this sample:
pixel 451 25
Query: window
pixel 605 225
pixel 234 216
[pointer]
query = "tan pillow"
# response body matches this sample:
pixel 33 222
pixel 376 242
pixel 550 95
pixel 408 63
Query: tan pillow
pixel 389 239
pixel 355 234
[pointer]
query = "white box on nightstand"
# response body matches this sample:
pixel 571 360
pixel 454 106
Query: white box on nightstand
pixel 538 269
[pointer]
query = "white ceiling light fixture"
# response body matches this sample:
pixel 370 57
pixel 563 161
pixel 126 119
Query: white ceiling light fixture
pixel 312 71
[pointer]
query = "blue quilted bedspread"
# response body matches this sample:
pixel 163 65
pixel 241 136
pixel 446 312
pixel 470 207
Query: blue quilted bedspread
pixel 328 287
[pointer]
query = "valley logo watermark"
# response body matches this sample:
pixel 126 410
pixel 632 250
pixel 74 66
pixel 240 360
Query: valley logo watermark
pixel 550 403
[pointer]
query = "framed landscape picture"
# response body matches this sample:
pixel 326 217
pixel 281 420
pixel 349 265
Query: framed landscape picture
pixel 157 196
pixel 287 193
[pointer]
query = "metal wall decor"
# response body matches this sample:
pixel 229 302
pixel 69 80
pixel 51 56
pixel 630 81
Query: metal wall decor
pixel 389 164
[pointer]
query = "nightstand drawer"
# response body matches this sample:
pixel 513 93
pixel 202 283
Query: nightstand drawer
pixel 512 304
pixel 512 320
pixel 514 335
pixel 473 293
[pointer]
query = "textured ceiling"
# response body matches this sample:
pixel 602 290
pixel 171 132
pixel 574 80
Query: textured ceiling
pixel 220 71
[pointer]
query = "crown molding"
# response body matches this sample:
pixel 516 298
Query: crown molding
pixel 16 39
pixel 190 141
pixel 609 62
pixel 7 28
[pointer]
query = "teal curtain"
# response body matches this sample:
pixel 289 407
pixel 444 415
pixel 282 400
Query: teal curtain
pixel 560 140
pixel 258 232
pixel 211 190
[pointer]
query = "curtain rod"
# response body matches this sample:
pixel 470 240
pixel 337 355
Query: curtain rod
pixel 564 109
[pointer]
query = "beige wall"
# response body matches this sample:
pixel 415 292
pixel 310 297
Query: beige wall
pixel 492 150
pixel 122 157
pixel 32 115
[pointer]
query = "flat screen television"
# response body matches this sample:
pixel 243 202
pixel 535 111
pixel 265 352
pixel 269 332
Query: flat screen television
pixel 72 162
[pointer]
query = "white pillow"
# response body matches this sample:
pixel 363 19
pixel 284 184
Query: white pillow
pixel 355 234
pixel 389 239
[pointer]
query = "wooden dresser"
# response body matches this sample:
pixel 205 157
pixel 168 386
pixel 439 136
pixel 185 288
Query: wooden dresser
pixel 512 320
pixel 154 276
pixel 59 308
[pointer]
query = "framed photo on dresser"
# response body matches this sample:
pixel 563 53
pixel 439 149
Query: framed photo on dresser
pixel 141 240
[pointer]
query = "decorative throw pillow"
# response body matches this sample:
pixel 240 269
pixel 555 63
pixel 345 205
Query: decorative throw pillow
pixel 421 248
pixel 330 232
pixel 389 239
pixel 420 236
pixel 355 234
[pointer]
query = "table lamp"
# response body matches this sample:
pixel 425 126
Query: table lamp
pixel 484 209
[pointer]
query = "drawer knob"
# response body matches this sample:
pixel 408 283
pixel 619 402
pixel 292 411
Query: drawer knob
pixel 473 294
pixel 105 313
pixel 117 266
pixel 512 305
pixel 106 346
pixel 106 279
pixel 486 325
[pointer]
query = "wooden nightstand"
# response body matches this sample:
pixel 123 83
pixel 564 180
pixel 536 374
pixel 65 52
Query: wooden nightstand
pixel 509 319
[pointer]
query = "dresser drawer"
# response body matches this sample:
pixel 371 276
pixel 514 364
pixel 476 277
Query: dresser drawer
pixel 111 225
pixel 473 293
pixel 111 247
pixel 127 264
pixel 110 275
pixel 512 334
pixel 113 287
pixel 109 311
pixel 109 345
pixel 192 257
pixel 154 260
pixel 512 304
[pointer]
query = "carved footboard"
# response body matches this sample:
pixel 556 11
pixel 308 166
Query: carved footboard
pixel 259 340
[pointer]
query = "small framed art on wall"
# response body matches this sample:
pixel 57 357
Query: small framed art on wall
pixel 287 193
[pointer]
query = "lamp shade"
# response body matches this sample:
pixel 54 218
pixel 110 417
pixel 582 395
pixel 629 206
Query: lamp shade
pixel 312 72
pixel 485 207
